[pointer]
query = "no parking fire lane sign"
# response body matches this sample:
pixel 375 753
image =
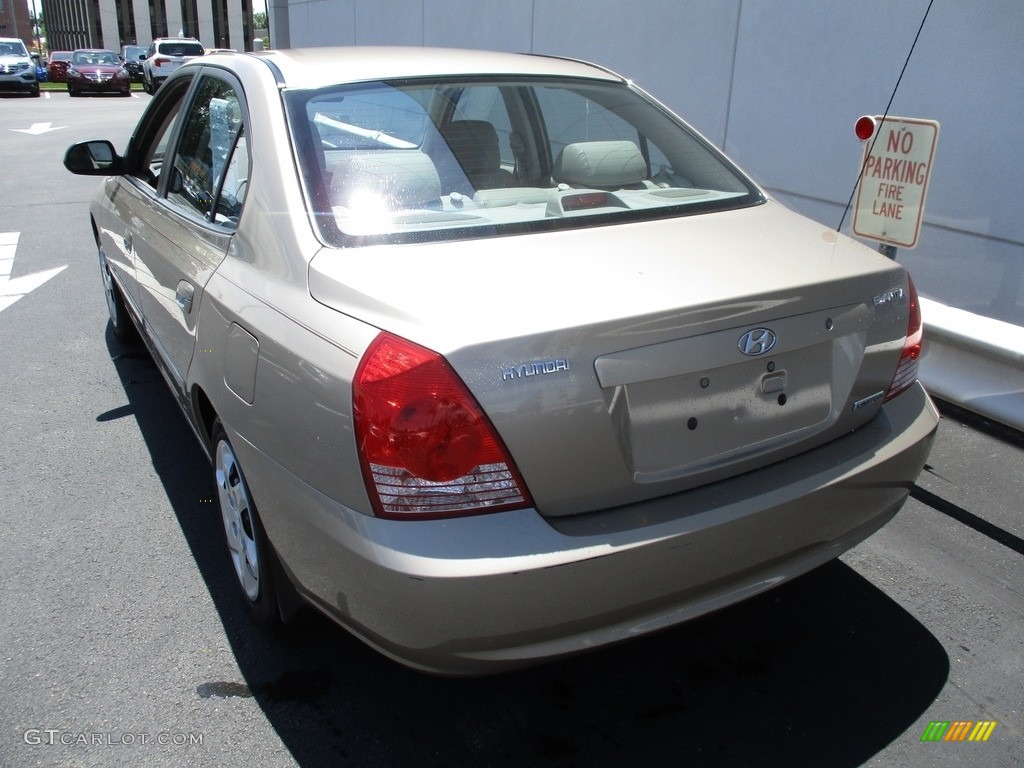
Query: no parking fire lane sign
pixel 897 164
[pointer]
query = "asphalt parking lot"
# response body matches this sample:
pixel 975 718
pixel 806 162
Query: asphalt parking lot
pixel 123 641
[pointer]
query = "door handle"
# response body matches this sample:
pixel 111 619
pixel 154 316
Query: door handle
pixel 184 295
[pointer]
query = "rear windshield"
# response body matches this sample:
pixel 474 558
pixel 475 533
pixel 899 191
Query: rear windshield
pixel 446 158
pixel 180 49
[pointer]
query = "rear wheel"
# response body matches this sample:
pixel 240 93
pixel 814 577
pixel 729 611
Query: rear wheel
pixel 247 542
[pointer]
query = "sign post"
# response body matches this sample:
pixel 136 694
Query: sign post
pixel 896 167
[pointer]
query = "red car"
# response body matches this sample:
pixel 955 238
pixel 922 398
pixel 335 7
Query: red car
pixel 57 68
pixel 97 71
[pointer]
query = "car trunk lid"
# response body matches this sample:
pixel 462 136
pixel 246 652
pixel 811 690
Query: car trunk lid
pixel 626 362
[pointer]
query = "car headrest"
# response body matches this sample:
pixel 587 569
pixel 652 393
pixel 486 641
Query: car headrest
pixel 474 144
pixel 600 164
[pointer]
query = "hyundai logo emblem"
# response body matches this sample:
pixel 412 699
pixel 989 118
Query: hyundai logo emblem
pixel 757 342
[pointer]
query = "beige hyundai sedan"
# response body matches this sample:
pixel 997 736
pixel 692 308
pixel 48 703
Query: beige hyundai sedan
pixel 496 360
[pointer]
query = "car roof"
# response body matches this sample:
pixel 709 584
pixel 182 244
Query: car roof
pixel 315 67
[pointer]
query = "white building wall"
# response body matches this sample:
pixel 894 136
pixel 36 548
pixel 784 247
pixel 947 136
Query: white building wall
pixel 174 18
pixel 143 23
pixel 779 85
pixel 108 28
pixel 204 13
pixel 236 30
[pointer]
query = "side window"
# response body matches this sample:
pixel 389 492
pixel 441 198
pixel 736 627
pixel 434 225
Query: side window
pixel 156 136
pixel 209 137
pixel 235 184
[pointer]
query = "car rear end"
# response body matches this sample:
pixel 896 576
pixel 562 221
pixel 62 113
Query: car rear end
pixel 647 468
pixel 547 419
pixel 169 55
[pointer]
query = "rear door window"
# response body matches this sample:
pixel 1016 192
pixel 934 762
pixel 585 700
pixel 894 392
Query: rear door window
pixel 209 141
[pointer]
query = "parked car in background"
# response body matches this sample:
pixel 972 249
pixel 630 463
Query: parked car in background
pixel 164 57
pixel 495 359
pixel 17 69
pixel 133 56
pixel 97 71
pixel 57 66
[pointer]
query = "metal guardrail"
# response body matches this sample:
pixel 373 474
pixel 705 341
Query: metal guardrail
pixel 974 362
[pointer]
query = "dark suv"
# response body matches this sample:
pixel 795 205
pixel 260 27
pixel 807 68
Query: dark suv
pixel 132 56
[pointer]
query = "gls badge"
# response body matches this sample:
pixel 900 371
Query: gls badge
pixel 757 341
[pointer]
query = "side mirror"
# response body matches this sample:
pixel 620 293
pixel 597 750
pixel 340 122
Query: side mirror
pixel 93 158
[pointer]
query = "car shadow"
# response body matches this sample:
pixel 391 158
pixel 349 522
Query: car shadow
pixel 826 670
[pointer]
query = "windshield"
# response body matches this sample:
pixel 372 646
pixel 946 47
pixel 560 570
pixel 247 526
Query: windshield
pixel 95 58
pixel 466 158
pixel 15 48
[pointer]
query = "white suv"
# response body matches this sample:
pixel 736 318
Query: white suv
pixel 17 70
pixel 165 55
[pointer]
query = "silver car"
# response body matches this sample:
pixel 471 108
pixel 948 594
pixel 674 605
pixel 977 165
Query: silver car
pixel 495 359
pixel 17 70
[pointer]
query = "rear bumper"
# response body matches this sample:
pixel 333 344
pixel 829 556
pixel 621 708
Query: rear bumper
pixel 486 593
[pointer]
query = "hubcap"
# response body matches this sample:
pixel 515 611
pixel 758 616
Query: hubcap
pixel 236 509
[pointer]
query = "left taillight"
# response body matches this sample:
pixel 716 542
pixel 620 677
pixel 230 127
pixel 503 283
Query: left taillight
pixel 426 447
pixel 906 371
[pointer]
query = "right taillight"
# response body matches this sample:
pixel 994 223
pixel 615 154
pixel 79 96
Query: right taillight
pixel 426 447
pixel 906 371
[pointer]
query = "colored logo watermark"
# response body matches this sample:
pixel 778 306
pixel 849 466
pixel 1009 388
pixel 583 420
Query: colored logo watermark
pixel 958 730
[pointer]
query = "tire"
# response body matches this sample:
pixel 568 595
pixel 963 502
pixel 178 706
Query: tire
pixel 120 321
pixel 145 86
pixel 248 548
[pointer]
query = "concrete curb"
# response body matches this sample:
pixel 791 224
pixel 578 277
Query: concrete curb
pixel 974 362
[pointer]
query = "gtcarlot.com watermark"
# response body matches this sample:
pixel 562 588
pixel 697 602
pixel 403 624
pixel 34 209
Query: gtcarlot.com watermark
pixel 51 736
